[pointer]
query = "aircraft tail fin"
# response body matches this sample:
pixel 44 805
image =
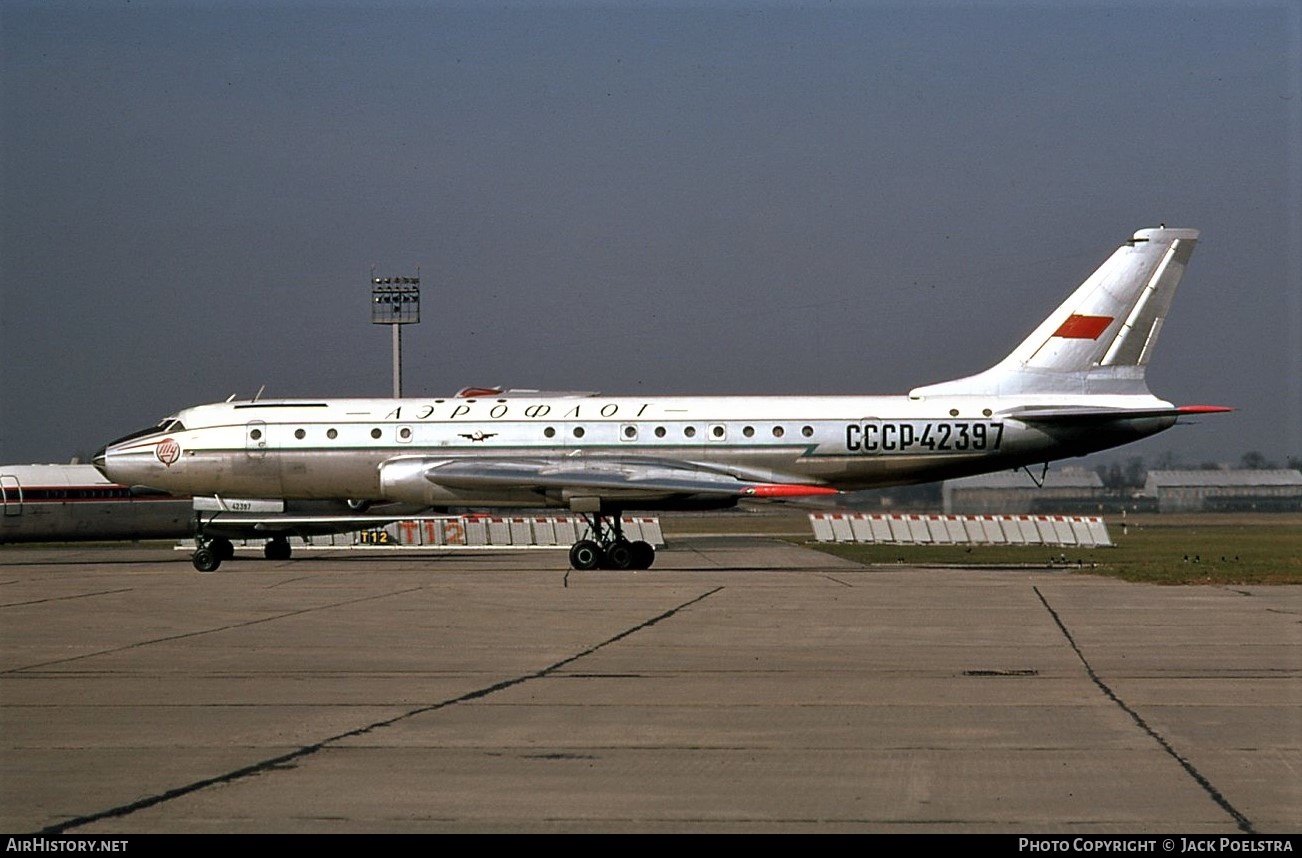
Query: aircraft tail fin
pixel 1101 338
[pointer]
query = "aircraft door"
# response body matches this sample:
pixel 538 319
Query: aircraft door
pixel 255 439
pixel 11 495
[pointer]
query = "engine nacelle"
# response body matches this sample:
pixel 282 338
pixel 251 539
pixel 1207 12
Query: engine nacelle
pixel 404 480
pixel 408 480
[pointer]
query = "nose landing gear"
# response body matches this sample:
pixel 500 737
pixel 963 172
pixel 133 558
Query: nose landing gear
pixel 210 552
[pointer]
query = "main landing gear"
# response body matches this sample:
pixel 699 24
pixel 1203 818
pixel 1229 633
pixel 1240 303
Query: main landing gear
pixel 211 551
pixel 608 549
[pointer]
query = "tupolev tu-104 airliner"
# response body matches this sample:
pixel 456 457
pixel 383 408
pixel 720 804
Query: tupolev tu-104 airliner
pixel 1074 386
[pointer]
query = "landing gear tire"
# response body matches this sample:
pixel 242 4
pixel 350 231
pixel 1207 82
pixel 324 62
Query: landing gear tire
pixel 618 555
pixel 222 547
pixel 642 555
pixel 277 549
pixel 206 560
pixel 585 554
pixel 608 549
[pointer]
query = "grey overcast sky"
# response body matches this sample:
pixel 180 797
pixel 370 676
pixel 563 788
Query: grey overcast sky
pixel 694 197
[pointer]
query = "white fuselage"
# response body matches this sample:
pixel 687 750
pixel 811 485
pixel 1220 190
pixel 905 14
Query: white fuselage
pixel 356 448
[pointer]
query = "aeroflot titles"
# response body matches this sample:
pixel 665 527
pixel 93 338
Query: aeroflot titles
pixel 612 409
pixel 501 409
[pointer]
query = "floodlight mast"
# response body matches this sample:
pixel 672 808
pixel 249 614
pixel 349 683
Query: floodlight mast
pixel 395 301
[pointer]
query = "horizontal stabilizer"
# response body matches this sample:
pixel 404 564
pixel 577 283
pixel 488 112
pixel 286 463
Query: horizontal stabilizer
pixel 1078 414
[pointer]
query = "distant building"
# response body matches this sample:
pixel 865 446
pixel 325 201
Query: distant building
pixel 1226 491
pixel 1068 491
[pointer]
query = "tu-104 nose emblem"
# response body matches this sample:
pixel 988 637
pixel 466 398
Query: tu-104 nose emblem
pixel 167 451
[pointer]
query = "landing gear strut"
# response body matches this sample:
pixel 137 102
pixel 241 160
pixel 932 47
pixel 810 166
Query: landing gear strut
pixel 608 548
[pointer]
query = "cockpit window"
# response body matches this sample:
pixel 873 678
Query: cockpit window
pixel 167 424
pixel 152 430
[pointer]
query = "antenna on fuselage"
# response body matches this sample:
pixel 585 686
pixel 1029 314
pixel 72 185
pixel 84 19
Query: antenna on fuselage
pixel 258 394
pixel 231 397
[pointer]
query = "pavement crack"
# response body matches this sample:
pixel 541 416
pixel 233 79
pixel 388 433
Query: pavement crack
pixel 202 632
pixel 286 760
pixel 836 580
pixel 67 598
pixel 1243 823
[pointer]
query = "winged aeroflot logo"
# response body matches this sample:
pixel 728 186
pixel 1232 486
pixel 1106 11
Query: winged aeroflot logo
pixel 477 435
pixel 167 451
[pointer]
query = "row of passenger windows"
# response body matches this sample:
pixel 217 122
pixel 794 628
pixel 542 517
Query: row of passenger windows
pixel 716 431
pixel 14 494
pixel 300 434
